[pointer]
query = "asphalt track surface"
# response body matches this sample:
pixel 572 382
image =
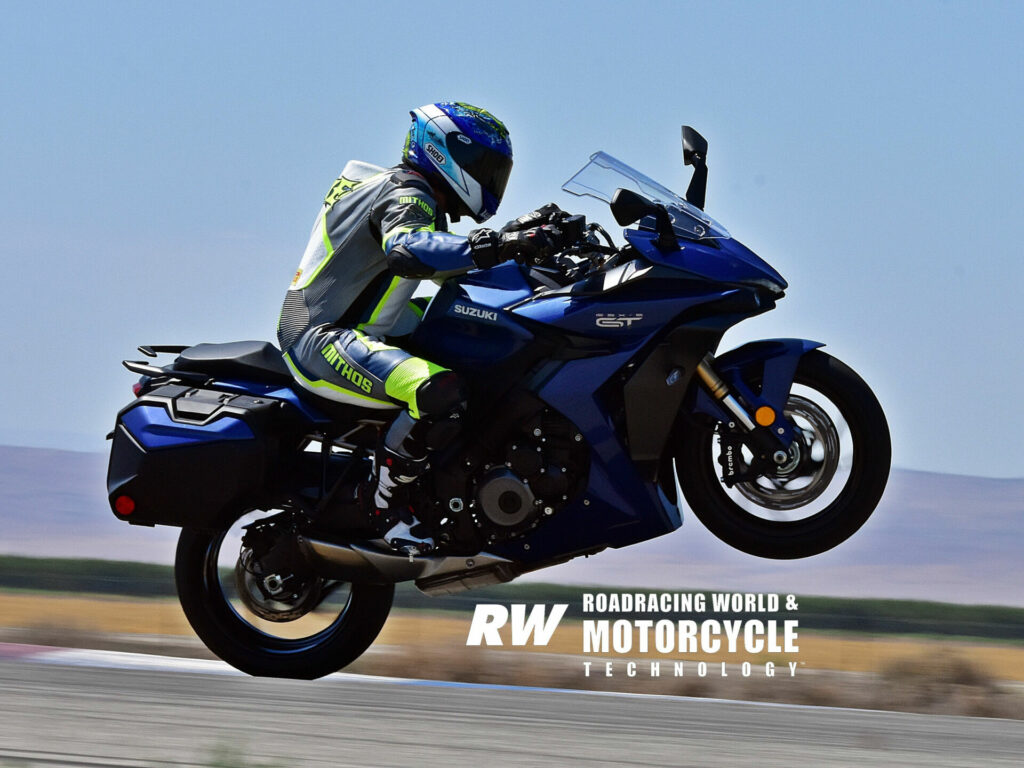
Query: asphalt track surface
pixel 85 709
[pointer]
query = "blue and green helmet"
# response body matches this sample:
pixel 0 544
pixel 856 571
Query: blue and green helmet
pixel 465 148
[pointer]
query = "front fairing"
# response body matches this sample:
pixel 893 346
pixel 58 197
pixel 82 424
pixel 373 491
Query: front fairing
pixel 706 250
pixel 724 260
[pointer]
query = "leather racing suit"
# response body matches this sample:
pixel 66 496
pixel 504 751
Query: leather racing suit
pixel 379 232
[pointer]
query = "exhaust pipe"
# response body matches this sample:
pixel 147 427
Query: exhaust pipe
pixel 433 575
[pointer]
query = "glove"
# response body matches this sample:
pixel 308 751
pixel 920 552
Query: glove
pixel 546 214
pixel 533 246
pixel 486 248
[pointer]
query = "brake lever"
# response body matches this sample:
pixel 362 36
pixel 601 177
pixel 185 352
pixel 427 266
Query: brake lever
pixel 574 229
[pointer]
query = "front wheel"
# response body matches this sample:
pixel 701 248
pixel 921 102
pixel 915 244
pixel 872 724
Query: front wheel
pixel 838 468
pixel 280 622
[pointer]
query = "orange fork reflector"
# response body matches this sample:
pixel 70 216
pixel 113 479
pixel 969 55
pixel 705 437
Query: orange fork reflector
pixel 765 416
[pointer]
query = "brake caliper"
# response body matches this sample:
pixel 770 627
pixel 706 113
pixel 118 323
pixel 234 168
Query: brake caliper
pixel 735 468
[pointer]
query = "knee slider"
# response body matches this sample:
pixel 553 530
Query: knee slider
pixel 440 395
pixel 442 402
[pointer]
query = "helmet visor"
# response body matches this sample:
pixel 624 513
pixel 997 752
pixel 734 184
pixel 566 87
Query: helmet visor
pixel 489 167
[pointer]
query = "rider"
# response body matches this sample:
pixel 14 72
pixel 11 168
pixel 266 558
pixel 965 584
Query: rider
pixel 378 233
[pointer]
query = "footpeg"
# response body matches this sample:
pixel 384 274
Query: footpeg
pixel 401 538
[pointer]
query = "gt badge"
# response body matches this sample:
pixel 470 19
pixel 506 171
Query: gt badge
pixel 615 320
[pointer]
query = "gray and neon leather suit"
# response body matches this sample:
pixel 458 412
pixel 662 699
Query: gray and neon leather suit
pixel 377 235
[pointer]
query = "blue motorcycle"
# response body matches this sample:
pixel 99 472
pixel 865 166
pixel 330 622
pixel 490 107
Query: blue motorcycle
pixel 595 399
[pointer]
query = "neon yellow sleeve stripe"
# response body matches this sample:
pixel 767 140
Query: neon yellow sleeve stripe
pixel 400 230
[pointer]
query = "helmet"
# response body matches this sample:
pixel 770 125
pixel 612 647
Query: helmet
pixel 464 148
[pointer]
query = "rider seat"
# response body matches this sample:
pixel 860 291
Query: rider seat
pixel 251 360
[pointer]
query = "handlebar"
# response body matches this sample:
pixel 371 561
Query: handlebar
pixel 582 253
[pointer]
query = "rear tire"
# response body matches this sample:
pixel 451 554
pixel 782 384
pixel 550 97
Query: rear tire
pixel 751 530
pixel 231 637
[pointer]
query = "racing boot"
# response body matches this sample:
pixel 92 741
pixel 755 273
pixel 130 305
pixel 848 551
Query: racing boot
pixel 397 467
pixel 402 459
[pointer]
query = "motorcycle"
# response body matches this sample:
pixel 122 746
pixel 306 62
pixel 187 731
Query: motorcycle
pixel 595 397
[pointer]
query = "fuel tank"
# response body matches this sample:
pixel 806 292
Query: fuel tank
pixel 467 326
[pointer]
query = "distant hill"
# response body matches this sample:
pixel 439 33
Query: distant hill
pixel 54 503
pixel 934 537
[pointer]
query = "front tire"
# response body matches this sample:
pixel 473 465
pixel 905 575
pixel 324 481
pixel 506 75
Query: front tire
pixel 773 522
pixel 204 589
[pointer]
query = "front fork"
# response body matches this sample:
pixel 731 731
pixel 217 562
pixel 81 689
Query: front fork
pixel 766 431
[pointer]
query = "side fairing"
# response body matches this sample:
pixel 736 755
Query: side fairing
pixel 626 316
pixel 619 507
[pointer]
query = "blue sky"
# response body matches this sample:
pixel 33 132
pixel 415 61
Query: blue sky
pixel 161 164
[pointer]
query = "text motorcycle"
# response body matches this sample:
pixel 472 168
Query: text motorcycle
pixel 594 394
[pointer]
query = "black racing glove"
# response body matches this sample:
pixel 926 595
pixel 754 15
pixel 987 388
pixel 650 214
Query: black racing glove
pixel 546 214
pixel 488 248
pixel 533 246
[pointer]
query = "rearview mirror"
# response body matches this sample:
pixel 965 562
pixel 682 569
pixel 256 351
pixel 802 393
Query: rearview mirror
pixel 628 207
pixel 695 147
pixel 695 153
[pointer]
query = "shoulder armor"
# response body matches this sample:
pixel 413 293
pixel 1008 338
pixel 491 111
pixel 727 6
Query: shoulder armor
pixel 406 177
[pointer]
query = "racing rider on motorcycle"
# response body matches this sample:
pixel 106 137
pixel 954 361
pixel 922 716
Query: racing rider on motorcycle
pixel 379 232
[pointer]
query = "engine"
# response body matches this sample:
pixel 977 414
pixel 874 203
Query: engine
pixel 538 470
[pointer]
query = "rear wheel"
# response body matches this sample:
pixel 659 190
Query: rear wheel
pixel 280 621
pixel 831 482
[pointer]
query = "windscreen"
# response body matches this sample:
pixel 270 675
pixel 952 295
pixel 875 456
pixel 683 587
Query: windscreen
pixel 604 174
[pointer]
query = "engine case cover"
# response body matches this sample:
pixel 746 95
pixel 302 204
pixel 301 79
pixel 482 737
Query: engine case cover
pixel 505 499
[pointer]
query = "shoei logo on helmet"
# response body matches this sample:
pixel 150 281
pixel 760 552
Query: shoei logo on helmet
pixel 435 153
